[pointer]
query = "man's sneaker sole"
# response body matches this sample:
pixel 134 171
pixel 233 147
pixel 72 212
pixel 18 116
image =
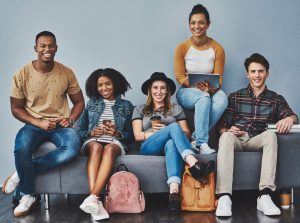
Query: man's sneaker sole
pixel 20 214
pixel 266 213
pixel 4 185
pixel 224 215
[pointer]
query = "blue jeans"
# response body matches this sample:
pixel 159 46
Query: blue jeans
pixel 173 143
pixel 28 139
pixel 208 110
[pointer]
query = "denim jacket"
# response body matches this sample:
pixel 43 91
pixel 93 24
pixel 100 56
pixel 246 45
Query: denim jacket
pixel 122 111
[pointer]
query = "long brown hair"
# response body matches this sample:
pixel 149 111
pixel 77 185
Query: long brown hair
pixel 165 110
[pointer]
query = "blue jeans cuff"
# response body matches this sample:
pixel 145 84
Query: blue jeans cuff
pixel 174 179
pixel 22 194
pixel 187 152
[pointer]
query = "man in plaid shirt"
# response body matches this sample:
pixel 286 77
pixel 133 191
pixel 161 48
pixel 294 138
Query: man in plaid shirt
pixel 243 128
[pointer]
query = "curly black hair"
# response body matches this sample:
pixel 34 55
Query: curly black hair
pixel 120 83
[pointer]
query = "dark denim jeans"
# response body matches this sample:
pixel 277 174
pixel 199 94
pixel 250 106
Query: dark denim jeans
pixel 28 139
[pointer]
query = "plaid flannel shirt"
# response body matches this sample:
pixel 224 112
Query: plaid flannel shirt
pixel 254 112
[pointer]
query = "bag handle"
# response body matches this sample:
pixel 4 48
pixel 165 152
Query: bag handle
pixel 122 165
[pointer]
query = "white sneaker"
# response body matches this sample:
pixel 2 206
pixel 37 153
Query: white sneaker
pixel 102 214
pixel 224 206
pixel 26 204
pixel 11 183
pixel 266 205
pixel 205 149
pixel 90 205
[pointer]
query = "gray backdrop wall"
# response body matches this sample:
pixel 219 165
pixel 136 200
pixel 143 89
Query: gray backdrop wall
pixel 138 37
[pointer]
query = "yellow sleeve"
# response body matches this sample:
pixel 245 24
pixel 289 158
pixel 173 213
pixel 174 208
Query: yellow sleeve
pixel 73 87
pixel 219 61
pixel 17 90
pixel 179 63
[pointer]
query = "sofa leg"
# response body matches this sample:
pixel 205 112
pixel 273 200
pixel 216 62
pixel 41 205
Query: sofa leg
pixel 46 202
pixel 292 195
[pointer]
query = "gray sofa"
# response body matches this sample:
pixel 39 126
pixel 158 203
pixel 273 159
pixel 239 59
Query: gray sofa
pixel 71 178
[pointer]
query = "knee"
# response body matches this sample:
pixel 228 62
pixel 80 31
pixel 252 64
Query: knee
pixel 226 137
pixel 269 137
pixel 71 139
pixel 66 156
pixel 71 134
pixel 111 151
pixel 95 150
pixel 174 126
pixel 170 144
pixel 223 104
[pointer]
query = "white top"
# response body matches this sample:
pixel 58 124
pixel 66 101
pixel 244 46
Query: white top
pixel 199 61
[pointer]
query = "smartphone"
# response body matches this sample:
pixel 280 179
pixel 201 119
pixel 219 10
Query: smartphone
pixel 106 122
pixel 241 127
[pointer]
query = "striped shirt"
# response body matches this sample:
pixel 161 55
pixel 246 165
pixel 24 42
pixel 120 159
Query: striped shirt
pixel 254 112
pixel 107 115
pixel 107 112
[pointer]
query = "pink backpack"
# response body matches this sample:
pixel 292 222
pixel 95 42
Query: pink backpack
pixel 123 194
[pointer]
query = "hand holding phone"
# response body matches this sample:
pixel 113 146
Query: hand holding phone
pixel 241 127
pixel 107 122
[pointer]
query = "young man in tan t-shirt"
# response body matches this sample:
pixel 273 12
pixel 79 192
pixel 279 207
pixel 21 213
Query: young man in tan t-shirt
pixel 39 99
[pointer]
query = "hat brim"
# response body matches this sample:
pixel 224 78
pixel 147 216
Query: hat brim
pixel 169 82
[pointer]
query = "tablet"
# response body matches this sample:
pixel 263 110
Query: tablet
pixel 213 79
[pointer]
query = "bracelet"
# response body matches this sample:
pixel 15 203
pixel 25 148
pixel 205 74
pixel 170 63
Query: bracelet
pixel 145 135
pixel 71 121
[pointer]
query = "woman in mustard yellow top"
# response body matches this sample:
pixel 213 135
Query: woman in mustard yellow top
pixel 200 54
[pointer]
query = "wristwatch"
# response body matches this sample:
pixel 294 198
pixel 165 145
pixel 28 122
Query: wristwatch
pixel 71 121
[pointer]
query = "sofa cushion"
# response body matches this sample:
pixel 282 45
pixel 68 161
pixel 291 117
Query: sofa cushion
pixel 71 178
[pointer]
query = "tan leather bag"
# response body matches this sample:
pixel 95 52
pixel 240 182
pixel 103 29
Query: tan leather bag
pixel 198 196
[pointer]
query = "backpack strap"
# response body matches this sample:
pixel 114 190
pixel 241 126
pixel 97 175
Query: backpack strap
pixel 122 165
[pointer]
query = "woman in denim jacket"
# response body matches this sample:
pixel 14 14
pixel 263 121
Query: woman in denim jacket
pixel 169 136
pixel 105 127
